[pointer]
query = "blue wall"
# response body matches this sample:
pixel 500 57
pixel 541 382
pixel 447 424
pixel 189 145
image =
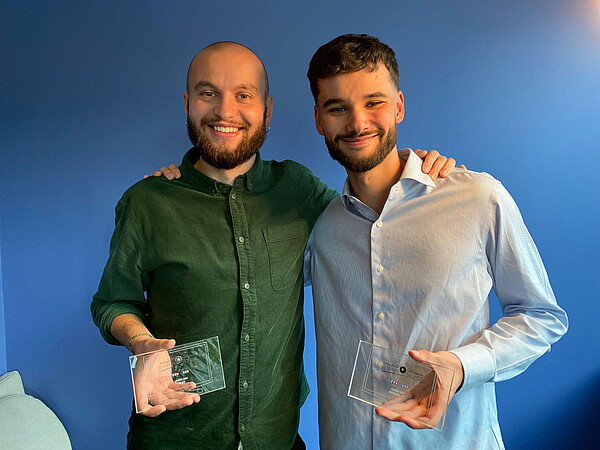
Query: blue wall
pixel 91 100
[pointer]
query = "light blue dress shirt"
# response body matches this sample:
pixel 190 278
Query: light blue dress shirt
pixel 418 276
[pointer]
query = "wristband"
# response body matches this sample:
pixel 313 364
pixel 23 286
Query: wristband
pixel 136 336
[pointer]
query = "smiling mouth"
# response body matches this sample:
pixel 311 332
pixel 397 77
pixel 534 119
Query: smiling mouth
pixel 228 129
pixel 358 140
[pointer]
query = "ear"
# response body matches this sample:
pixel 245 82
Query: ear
pixel 186 103
pixel 318 122
pixel 399 107
pixel 269 110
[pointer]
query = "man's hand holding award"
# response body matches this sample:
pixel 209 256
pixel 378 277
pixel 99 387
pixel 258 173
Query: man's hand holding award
pixel 169 379
pixel 415 389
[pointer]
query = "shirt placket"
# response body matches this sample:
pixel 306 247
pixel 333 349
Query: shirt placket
pixel 248 331
pixel 377 273
pixel 378 313
pixel 383 307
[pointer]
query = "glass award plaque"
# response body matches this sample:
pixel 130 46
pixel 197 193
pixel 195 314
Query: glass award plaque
pixel 394 381
pixel 163 377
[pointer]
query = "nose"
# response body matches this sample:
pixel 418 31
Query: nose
pixel 357 121
pixel 225 107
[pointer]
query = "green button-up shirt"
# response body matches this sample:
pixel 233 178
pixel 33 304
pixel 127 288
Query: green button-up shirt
pixel 195 258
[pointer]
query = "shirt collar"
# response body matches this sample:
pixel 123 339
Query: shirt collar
pixel 412 171
pixel 250 180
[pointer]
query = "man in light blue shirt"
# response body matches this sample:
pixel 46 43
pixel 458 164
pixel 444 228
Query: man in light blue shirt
pixel 407 263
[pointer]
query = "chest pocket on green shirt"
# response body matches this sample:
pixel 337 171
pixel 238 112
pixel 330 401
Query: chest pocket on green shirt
pixel 285 245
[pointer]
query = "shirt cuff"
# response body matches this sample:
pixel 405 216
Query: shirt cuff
pixel 110 315
pixel 478 365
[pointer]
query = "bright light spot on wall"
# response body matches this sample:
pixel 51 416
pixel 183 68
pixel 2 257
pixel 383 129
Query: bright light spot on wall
pixel 597 5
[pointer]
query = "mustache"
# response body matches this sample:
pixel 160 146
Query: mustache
pixel 354 135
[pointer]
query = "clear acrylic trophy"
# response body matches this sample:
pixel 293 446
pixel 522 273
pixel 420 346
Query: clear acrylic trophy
pixel 166 376
pixel 394 381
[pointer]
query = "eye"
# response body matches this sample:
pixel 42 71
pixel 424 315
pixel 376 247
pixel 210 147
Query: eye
pixel 244 96
pixel 207 94
pixel 374 103
pixel 337 110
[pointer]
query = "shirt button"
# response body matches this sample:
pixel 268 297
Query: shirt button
pixel 241 239
pixel 379 224
pixel 379 364
pixel 246 285
pixel 233 196
pixel 379 269
pixel 245 384
pixel 247 337
pixel 242 427
pixel 380 316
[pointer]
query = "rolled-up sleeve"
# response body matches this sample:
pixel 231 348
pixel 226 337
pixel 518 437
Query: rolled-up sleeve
pixel 122 286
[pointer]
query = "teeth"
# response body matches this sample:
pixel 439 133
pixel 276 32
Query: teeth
pixel 226 129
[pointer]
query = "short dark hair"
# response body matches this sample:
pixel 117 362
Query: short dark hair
pixel 350 53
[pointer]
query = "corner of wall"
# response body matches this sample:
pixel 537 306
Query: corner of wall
pixel 2 333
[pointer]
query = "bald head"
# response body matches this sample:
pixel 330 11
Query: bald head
pixel 226 49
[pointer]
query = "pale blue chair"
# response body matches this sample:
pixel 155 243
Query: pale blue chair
pixel 25 422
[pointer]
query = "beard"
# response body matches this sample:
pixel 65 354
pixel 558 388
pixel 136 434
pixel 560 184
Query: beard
pixel 219 156
pixel 354 163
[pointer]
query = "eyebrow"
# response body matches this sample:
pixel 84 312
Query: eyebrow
pixel 207 84
pixel 335 101
pixel 332 101
pixel 204 84
pixel 248 86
